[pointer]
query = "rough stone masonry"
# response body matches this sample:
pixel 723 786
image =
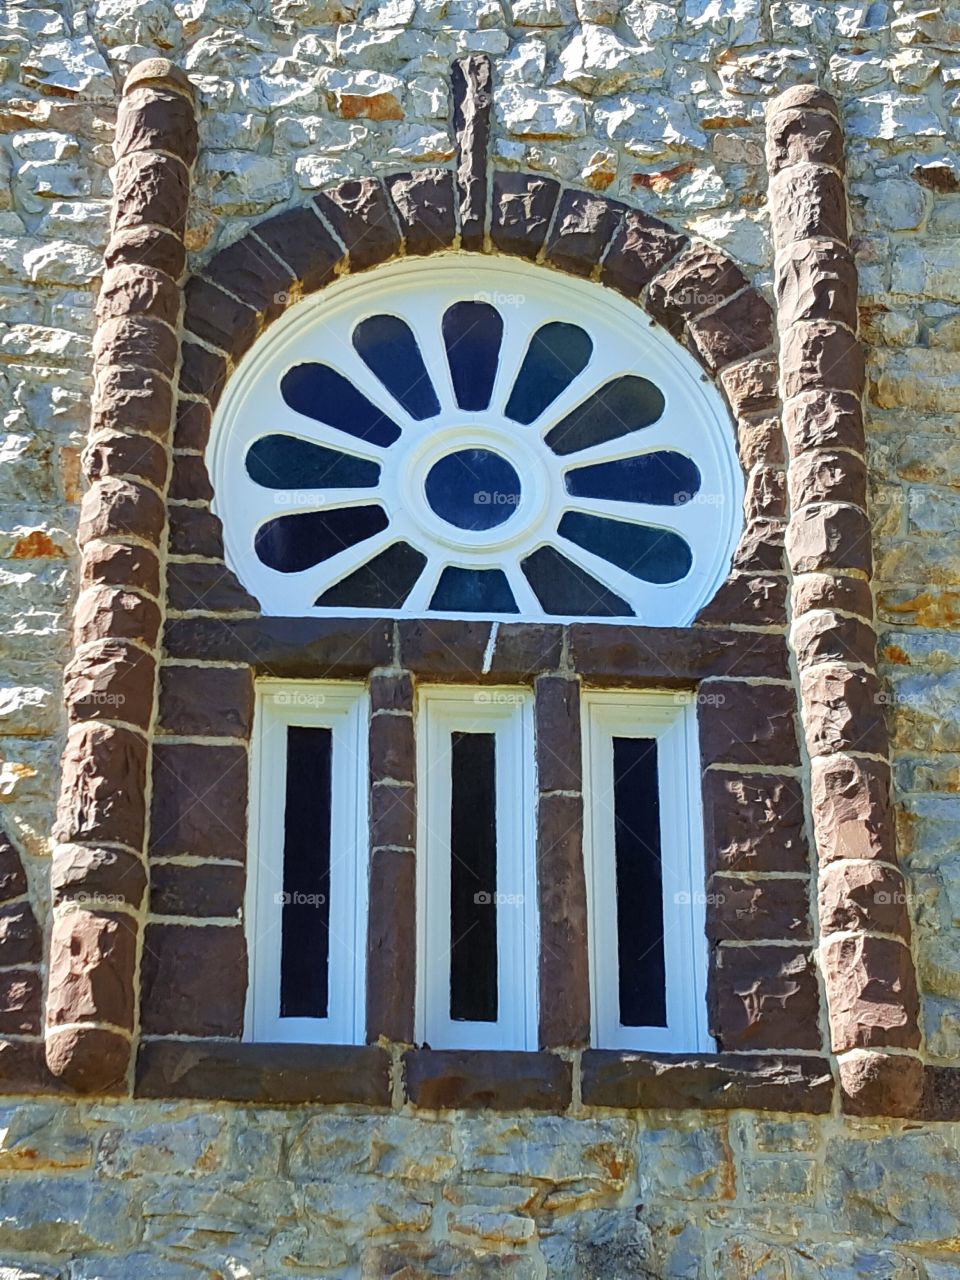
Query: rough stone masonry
pixel 662 107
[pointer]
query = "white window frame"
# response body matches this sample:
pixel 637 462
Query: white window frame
pixel 342 707
pixel 669 716
pixel 507 713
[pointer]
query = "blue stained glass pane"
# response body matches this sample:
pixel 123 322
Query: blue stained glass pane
pixel 556 355
pixel 626 404
pixel 305 538
pixel 284 462
pixel 319 392
pixel 655 555
pixel 472 332
pixel 473 489
pixel 473 591
pixel 388 348
pixel 382 583
pixel 666 478
pixel 563 588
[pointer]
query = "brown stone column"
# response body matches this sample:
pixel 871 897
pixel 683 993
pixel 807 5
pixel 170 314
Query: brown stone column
pixel 864 929
pixel 99 874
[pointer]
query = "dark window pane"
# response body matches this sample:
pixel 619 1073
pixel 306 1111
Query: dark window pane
pixel 472 332
pixel 655 555
pixel 564 588
pixel 388 348
pixel 556 355
pixel 284 462
pixel 305 940
pixel 666 478
pixel 382 583
pixel 473 489
pixel 636 803
pixel 302 539
pixel 319 392
pixel 473 878
pixel 473 591
pixel 622 406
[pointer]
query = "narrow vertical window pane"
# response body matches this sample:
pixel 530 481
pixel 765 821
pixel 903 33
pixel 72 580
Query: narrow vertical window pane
pixel 305 944
pixel 636 801
pixel 473 878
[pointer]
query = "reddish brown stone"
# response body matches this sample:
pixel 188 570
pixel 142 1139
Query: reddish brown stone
pixel 761 546
pixel 747 599
pixel 202 372
pixel 211 890
pixel 740 328
pixel 843 711
pixel 808 201
pixel 557 711
pixel 393 816
pixel 766 496
pixel 443 647
pixel 752 386
pixel 823 420
pixel 492 1080
pixel 803 136
pixel 20 999
pixel 301 240
pixel 472 85
pixel 392 748
pixel 851 808
pixel 19 935
pixel 251 272
pixel 141 342
pixel 88 1059
pixel 195 531
pixel 131 401
pixel 150 188
pixel 13 881
pixel 113 680
pixel 765 998
pixel 561 894
pixel 117 453
pixel 879 1084
pixel 701 278
pixel 753 822
pixel 523 205
pixel 92 962
pixel 582 229
pixel 148 246
pixel 359 211
pixel 103 773
pixel 138 290
pixel 871 993
pixel 641 247
pixel 676 656
pixel 816 280
pixel 827 476
pixel 95 876
pixel 391 691
pixel 760 440
pixel 807 97
pixel 758 908
pixel 830 591
pixel 826 636
pixel 154 119
pixel 193 980
pixel 192 430
pixel 833 535
pixel 199 801
pixel 291 648
pixel 190 479
pixel 160 73
pixel 112 508
pixel 214 702
pixel 111 613
pixel 424 205
pixel 391 945
pixel 748 723
pixel 821 355
pixel 521 648
pixel 856 895
pixel 206 585
pixel 219 319
pixel 118 565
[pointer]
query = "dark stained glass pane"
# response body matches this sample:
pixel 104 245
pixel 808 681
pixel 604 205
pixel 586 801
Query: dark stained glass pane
pixel 472 332
pixel 626 404
pixel 564 588
pixel 557 354
pixel 284 462
pixel 319 392
pixel 388 348
pixel 636 805
pixel 473 489
pixel 305 914
pixel 382 583
pixel 666 478
pixel 473 877
pixel 655 555
pixel 302 539
pixel 473 591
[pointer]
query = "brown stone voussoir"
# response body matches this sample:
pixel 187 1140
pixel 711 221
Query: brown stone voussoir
pixel 871 993
pixel 700 278
pixel 13 881
pixel 523 205
pixel 766 495
pixel 251 272
pixel 20 942
pixel 641 247
pixel 202 372
pixel 425 208
pixel 582 229
pixel 218 319
pixel 302 241
pixel 752 386
pixel 760 548
pixel 747 599
pixel 206 585
pixel 739 328
pixel 195 531
pixel 360 213
pixel 192 430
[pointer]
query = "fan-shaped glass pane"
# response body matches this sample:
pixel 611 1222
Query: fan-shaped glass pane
pixel 382 583
pixel 655 555
pixel 622 406
pixel 472 333
pixel 284 462
pixel 319 392
pixel 473 591
pixel 387 346
pixel 563 588
pixel 557 354
pixel 665 478
pixel 304 538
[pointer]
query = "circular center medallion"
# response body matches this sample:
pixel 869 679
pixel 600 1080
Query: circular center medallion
pixel 473 489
